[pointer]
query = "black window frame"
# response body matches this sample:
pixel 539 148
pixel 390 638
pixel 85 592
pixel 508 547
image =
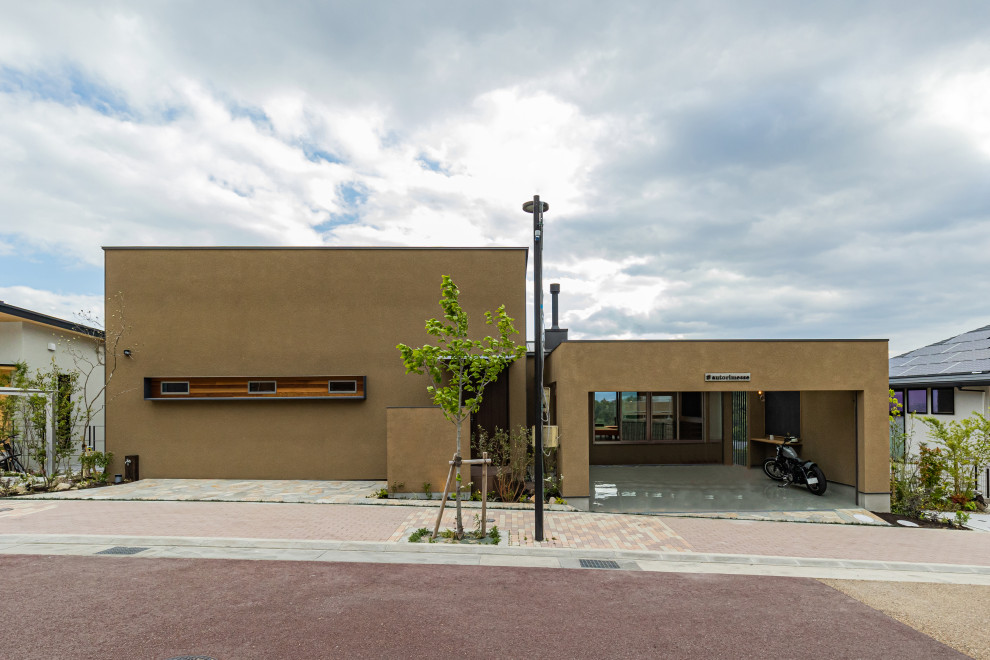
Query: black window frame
pixel 907 401
pixel 350 381
pixel 952 401
pixel 162 384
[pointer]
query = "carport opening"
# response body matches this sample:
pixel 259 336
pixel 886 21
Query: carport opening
pixel 689 451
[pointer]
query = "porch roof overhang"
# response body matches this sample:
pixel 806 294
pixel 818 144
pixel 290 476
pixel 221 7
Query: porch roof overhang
pixel 10 313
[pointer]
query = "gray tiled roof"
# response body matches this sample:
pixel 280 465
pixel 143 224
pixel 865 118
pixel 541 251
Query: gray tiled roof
pixel 965 354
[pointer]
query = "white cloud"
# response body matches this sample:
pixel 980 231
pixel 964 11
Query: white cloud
pixel 711 169
pixel 69 307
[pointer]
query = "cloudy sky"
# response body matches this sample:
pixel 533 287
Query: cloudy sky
pixel 714 169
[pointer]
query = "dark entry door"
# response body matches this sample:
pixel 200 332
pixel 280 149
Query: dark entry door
pixel 494 410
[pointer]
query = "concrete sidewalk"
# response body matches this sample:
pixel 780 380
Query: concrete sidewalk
pixel 162 547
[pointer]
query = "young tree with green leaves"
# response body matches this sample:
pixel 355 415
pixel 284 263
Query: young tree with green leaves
pixel 460 367
pixel 965 445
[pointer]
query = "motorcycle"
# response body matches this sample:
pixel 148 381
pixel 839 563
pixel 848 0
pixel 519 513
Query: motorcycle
pixel 788 467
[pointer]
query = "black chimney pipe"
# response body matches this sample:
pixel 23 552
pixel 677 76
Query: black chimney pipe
pixel 554 292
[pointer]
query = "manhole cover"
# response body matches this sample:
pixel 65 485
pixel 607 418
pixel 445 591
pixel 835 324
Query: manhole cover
pixel 122 550
pixel 907 523
pixel 599 563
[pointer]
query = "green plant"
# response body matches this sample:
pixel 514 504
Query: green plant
pixel 103 461
pixel 418 534
pixel 962 445
pixel 494 535
pixel 381 494
pixel 396 486
pixel 559 500
pixel 511 457
pixel 460 367
pixel 476 496
pixel 448 534
pixel 961 519
pixel 428 490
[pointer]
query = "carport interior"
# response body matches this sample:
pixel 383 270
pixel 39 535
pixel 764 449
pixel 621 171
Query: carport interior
pixel 688 451
pixel 703 489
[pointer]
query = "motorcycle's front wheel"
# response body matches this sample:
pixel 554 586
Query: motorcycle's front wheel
pixel 817 488
pixel 773 469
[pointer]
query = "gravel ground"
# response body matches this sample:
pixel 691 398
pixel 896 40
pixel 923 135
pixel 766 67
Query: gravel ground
pixel 958 615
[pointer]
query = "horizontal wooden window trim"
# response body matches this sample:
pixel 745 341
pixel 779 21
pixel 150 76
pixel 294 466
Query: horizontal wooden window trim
pixel 236 388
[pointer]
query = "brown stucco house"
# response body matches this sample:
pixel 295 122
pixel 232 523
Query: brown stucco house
pixel 280 363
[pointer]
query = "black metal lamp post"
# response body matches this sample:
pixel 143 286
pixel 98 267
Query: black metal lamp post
pixel 537 208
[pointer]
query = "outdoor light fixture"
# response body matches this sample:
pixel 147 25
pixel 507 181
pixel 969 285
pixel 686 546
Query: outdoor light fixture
pixel 538 208
pixel 759 393
pixel 127 352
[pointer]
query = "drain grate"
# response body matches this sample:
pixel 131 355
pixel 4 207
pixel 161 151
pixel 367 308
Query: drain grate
pixel 599 563
pixel 121 550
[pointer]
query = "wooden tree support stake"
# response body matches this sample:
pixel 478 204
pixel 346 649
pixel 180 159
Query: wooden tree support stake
pixel 454 463
pixel 443 499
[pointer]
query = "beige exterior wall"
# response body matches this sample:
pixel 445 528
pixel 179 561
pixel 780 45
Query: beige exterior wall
pixel 828 373
pixel 420 445
pixel 286 312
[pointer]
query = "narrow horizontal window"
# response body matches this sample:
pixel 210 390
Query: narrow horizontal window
pixel 175 387
pixel 343 386
pixel 261 387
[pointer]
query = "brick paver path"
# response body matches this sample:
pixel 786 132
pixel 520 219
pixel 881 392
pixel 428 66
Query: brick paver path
pixel 211 519
pixel 944 546
pixel 563 530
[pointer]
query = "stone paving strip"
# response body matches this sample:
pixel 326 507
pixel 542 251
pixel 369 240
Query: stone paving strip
pixel 161 547
pixel 361 492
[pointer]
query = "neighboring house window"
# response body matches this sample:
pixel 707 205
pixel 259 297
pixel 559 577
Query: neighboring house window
pixel 63 414
pixel 343 386
pixel 261 387
pixel 943 400
pixel 917 401
pixel 899 408
pixel 175 387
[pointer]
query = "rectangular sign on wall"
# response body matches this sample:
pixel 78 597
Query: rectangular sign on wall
pixel 727 378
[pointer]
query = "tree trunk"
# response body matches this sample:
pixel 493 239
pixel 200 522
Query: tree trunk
pixel 457 492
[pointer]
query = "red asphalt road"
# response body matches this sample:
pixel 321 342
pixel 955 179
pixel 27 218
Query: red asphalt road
pixel 129 607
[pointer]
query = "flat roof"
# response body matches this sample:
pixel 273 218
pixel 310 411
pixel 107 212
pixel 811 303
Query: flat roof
pixel 44 319
pixel 685 341
pixel 301 247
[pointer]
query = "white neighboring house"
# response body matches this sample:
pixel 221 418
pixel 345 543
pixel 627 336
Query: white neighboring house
pixel 36 339
pixel 949 380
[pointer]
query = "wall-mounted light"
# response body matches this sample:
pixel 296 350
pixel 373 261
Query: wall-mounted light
pixel 759 393
pixel 127 352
